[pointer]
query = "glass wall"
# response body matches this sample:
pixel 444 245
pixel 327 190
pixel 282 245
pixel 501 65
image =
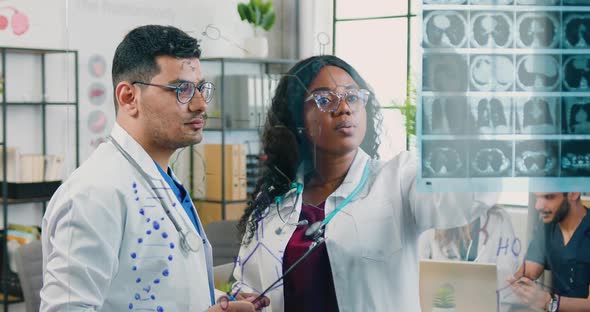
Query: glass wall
pixel 463 58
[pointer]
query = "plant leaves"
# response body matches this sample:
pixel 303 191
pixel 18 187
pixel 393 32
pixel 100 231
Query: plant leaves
pixel 243 11
pixel 265 8
pixel 256 3
pixel 251 14
pixel 257 13
pixel 258 16
pixel 268 21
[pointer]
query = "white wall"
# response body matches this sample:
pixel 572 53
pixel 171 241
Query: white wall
pixel 94 28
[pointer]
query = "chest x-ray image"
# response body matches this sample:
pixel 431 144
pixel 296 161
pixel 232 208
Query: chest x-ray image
pixel 576 30
pixel 491 29
pixel 537 30
pixel 444 159
pixel 536 158
pixel 538 72
pixel 444 115
pixel 576 71
pixel 575 158
pixel 576 115
pixel 445 29
pixel 496 2
pixel 445 1
pixel 491 115
pixel 537 115
pixel 491 73
pixel 438 70
pixel 490 158
pixel 576 2
pixel 537 2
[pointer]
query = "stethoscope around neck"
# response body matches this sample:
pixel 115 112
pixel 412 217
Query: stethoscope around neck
pixel 189 241
pixel 316 230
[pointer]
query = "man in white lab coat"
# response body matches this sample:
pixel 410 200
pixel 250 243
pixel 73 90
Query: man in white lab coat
pixel 122 234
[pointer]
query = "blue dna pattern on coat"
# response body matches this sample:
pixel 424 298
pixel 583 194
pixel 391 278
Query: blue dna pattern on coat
pixel 153 269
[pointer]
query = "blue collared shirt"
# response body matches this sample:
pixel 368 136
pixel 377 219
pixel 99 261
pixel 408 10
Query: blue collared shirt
pixel 182 195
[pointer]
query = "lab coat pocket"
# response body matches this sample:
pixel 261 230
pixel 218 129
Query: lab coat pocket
pixel 379 237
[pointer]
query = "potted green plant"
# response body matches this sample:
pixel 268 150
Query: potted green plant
pixel 260 15
pixel 408 110
pixel 444 300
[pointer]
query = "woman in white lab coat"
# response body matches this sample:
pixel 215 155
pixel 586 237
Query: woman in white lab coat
pixel 321 140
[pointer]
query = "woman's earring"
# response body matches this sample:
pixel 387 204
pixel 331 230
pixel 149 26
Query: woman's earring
pixel 300 130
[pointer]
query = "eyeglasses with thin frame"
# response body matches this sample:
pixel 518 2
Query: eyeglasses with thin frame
pixel 328 101
pixel 186 90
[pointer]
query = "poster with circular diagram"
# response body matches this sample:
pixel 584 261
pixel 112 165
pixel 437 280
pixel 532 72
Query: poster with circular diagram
pixel 504 96
pixel 97 66
pixel 97 121
pixel 97 93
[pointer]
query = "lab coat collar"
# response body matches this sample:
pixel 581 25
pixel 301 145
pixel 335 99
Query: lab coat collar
pixel 352 179
pixel 147 164
pixel 289 200
pixel 354 175
pixel 136 151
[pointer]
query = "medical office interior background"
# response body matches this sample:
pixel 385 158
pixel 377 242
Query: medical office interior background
pixel 57 96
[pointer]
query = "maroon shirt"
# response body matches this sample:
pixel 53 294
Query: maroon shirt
pixel 310 286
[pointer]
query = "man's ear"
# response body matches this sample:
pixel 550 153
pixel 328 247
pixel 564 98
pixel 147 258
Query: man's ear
pixel 127 97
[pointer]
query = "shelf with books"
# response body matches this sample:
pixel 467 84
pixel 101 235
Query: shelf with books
pixel 32 178
pixel 234 129
pixel 216 210
pixel 41 103
pixel 244 89
pixel 11 299
pixel 28 200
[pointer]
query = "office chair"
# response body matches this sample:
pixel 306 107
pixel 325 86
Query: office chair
pixel 223 236
pixel 29 263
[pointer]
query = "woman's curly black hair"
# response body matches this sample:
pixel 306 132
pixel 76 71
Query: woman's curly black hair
pixel 286 147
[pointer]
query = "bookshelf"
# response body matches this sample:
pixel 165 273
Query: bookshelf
pixel 43 58
pixel 244 87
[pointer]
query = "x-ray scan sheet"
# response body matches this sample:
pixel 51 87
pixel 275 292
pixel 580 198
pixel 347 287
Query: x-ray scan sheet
pixel 504 95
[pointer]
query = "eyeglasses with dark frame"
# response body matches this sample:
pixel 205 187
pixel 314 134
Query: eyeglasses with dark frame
pixel 186 90
pixel 328 101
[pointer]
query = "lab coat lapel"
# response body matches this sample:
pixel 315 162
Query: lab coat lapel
pixel 147 164
pixel 136 151
pixel 288 211
pixel 352 179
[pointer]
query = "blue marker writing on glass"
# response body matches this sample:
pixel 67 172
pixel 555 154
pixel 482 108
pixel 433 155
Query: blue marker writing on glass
pixel 232 298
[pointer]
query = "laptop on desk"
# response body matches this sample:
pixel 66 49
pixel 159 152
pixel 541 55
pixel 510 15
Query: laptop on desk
pixel 464 286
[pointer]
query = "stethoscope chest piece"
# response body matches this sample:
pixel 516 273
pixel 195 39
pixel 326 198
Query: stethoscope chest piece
pixel 190 242
pixel 315 231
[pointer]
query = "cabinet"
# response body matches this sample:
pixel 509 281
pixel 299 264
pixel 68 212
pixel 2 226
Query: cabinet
pixel 33 80
pixel 244 88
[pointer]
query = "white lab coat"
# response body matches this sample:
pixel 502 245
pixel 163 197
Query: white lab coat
pixel 102 250
pixel 372 242
pixel 501 248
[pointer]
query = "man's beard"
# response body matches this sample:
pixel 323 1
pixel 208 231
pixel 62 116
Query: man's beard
pixel 562 211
